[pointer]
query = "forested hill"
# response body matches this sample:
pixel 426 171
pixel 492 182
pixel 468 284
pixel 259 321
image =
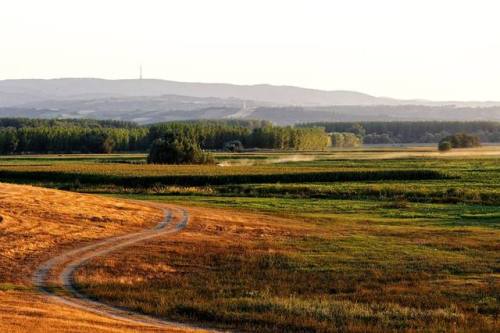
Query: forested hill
pixel 164 109
pixel 374 113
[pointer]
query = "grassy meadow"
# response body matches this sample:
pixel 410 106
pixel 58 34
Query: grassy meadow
pixel 374 239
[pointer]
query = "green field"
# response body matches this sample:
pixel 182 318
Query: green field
pixel 411 174
pixel 392 239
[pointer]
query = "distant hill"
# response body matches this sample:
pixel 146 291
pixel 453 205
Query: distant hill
pixel 149 100
pixel 64 89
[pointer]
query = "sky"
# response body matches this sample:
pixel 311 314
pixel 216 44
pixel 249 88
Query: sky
pixel 439 49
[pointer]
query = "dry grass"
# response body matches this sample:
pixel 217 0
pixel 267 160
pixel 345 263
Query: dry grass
pixel 22 312
pixel 263 273
pixel 38 223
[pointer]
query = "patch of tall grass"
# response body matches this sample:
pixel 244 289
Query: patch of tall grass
pixel 197 179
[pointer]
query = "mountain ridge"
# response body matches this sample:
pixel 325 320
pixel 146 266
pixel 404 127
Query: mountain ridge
pixel 155 100
pixel 284 95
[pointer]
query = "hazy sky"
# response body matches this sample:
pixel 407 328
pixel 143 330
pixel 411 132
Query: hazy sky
pixel 435 49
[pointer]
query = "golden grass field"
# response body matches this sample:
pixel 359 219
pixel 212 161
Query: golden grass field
pixel 265 273
pixel 25 311
pixel 38 223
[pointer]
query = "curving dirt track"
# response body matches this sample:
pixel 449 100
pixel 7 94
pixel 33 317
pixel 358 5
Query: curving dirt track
pixel 55 277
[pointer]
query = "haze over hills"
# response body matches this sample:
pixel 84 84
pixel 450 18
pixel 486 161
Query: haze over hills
pixel 57 89
pixel 152 100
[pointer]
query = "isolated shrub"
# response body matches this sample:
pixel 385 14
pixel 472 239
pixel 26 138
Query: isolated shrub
pixel 177 151
pixel 462 140
pixel 444 146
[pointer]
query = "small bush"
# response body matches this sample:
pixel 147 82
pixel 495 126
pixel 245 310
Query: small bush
pixel 177 151
pixel 444 146
pixel 462 140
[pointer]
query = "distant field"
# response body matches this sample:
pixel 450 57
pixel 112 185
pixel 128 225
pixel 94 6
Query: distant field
pixel 418 174
pixel 263 167
pixel 272 156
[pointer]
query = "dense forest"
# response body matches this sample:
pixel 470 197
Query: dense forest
pixel 214 134
pixel 86 123
pixel 94 136
pixel 22 135
pixel 413 131
pixel 86 136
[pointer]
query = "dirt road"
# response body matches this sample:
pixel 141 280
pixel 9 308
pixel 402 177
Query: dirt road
pixel 55 277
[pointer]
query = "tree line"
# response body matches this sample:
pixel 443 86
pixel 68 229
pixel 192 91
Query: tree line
pixel 71 139
pixel 96 136
pixel 214 135
pixel 86 123
pixel 412 131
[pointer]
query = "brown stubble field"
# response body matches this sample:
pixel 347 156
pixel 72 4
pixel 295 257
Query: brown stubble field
pixel 37 224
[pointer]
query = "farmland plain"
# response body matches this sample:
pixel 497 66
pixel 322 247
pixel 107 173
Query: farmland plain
pixel 385 239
